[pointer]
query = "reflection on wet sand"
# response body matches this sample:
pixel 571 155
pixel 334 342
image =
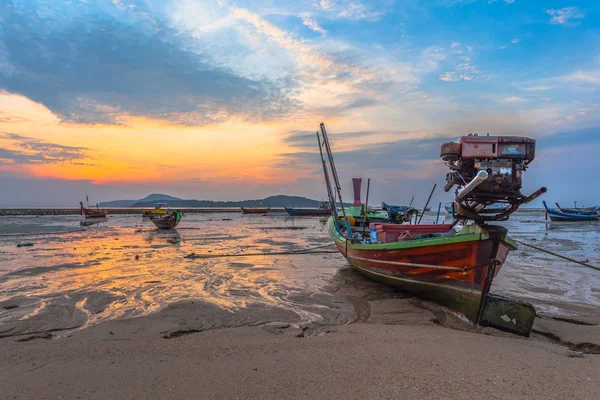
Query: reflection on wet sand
pixel 123 268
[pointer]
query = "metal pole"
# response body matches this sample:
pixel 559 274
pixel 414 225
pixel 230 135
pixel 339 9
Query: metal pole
pixel 411 201
pixel 327 182
pixel 438 214
pixel 426 204
pixel 366 223
pixel 335 177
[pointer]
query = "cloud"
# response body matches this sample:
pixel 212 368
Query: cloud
pixel 513 100
pixel 592 77
pixel 586 136
pixel 464 70
pixel 97 66
pixel 349 9
pixel 509 1
pixel 565 15
pixel 27 150
pixel 311 24
pixel 389 156
pixel 515 41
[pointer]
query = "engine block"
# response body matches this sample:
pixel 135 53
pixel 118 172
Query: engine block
pixel 496 163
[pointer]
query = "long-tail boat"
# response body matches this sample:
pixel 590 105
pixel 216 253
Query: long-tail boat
pixel 91 213
pixel 578 210
pixel 558 215
pixel 491 209
pixel 159 209
pixel 167 221
pixel 255 210
pixel 305 212
pixel 438 262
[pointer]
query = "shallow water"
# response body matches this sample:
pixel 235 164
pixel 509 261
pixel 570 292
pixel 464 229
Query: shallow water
pixel 77 275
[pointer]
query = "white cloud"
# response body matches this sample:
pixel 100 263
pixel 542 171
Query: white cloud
pixel 569 117
pixel 311 23
pixel 515 41
pixel 513 100
pixel 565 15
pixel 464 70
pixel 592 77
pixel 349 9
pixel 509 1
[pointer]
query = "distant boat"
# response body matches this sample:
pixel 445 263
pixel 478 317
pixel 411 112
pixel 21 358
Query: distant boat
pixel 168 221
pixel 91 213
pixel 159 209
pixel 491 209
pixel 557 215
pixel 255 210
pixel 585 210
pixel 302 212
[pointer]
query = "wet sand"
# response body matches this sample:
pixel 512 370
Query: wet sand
pixel 396 353
pixel 130 316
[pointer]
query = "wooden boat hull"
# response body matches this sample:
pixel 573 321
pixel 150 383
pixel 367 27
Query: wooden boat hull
pixel 455 271
pixel 91 213
pixel 558 216
pixel 169 221
pixel 305 212
pixel 255 210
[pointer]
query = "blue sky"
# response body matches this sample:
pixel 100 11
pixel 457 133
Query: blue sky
pixel 83 82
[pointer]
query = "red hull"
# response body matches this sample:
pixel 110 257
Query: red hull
pixel 455 271
pixel 91 213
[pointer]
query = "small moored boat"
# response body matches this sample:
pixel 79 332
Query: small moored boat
pixel 306 212
pixel 159 209
pixel 91 213
pixel 557 215
pixel 167 221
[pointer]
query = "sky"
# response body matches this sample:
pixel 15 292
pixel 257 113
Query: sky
pixel 220 100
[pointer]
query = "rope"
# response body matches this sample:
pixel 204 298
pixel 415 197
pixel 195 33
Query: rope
pixel 558 255
pixel 278 253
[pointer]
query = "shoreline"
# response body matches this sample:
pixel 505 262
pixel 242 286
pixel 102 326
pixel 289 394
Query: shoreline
pixel 14 212
pixel 196 350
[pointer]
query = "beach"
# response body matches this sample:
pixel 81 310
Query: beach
pixel 133 359
pixel 121 310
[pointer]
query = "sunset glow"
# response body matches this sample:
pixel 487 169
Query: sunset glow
pixel 221 99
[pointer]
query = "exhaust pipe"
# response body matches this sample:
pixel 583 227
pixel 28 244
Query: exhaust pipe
pixel 481 176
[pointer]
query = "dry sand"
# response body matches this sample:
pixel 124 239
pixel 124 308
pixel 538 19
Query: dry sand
pixel 398 353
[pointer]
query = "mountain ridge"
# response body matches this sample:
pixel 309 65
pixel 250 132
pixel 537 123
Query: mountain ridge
pixel 270 201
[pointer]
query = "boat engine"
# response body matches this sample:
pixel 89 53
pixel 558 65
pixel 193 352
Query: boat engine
pixel 487 170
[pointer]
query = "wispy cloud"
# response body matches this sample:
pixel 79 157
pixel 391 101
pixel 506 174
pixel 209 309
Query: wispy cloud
pixel 565 15
pixel 25 150
pixel 513 100
pixel 592 76
pixel 311 23
pixel 350 9
pixel 464 70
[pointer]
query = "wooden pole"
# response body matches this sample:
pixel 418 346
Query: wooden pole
pixel 426 204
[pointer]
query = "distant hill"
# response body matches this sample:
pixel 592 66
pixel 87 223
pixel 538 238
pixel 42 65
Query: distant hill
pixel 151 199
pixel 271 201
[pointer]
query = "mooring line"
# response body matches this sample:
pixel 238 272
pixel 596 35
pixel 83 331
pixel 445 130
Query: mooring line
pixel 278 253
pixel 558 255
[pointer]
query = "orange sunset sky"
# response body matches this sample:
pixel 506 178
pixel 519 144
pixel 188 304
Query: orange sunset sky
pixel 220 100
